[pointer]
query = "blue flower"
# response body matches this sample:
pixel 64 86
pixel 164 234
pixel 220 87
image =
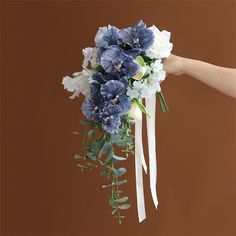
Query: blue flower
pixel 114 93
pixel 137 37
pixel 116 62
pixel 110 118
pixel 112 36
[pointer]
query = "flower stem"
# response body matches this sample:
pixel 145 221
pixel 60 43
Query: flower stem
pixel 162 101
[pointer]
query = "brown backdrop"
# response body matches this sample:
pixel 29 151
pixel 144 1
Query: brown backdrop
pixel 43 192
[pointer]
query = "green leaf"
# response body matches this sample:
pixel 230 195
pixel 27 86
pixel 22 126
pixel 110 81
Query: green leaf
pixel 124 207
pixel 104 173
pixel 121 171
pixel 120 182
pixel 90 133
pixel 122 199
pixel 141 107
pixel 115 184
pixel 105 148
pixel 85 122
pixel 114 171
pixel 140 61
pixel 116 158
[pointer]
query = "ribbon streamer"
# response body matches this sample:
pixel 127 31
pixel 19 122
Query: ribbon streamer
pixel 151 107
pixel 139 162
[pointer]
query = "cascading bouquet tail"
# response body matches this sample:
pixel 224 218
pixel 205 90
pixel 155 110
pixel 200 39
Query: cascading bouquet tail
pixel 124 67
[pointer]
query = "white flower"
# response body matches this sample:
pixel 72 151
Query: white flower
pixel 140 90
pixel 99 41
pixel 78 84
pixel 90 56
pixel 154 84
pixel 157 70
pixel 161 47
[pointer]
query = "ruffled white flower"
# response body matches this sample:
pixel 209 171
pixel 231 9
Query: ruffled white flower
pixel 99 41
pixel 161 47
pixel 90 56
pixel 78 84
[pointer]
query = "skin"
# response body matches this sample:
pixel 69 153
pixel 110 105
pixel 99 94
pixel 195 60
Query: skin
pixel 221 78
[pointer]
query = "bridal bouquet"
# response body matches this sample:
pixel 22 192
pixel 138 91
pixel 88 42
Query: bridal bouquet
pixel 123 69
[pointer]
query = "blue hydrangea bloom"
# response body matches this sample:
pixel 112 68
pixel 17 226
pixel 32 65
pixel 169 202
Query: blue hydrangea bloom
pixel 116 62
pixel 137 37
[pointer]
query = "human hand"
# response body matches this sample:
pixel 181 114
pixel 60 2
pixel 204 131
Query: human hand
pixel 173 65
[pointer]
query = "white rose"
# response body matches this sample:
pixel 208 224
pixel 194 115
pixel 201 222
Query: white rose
pixel 78 84
pixel 161 47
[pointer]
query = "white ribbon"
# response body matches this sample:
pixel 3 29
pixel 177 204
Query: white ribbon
pixel 151 107
pixel 140 160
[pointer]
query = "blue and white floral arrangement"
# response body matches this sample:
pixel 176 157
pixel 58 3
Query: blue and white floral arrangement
pixel 123 69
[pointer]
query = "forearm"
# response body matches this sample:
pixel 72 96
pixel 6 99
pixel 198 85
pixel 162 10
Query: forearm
pixel 220 78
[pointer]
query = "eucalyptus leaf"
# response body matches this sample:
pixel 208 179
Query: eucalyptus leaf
pixel 105 148
pixel 90 133
pixel 125 206
pixel 104 173
pixel 117 158
pixel 85 122
pixel 115 184
pixel 122 199
pixel 121 171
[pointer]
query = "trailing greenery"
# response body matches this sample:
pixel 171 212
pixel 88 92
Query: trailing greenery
pixel 98 151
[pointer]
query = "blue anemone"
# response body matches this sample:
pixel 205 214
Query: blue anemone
pixel 137 37
pixel 116 62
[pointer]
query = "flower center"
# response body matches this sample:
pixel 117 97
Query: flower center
pixel 117 67
pixel 136 42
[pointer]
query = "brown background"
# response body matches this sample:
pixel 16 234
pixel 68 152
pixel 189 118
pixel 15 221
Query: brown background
pixel 43 192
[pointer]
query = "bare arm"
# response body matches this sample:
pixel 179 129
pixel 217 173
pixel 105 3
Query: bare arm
pixel 220 78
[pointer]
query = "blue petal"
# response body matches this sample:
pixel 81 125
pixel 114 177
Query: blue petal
pixel 111 118
pixel 138 36
pixel 124 103
pixel 88 109
pixel 116 62
pixel 134 52
pixel 112 88
pixel 112 36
